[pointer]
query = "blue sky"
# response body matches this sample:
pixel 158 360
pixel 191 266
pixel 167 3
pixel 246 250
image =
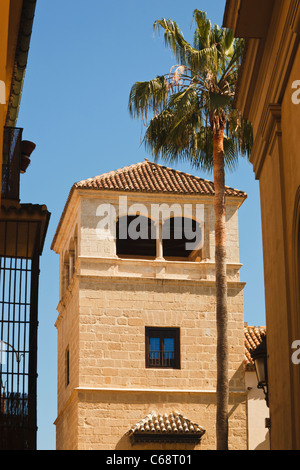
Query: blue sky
pixel 83 60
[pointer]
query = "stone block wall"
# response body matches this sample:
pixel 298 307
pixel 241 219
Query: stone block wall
pixel 103 312
pixel 108 352
pixel 102 419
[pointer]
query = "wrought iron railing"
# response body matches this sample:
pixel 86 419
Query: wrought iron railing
pixel 161 358
pixel 11 166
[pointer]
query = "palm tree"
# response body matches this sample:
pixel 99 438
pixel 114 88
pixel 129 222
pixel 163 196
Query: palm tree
pixel 190 116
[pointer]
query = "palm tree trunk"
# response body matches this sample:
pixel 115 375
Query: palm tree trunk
pixel 221 292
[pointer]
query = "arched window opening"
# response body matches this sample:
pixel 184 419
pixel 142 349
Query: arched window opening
pixel 135 237
pixel 182 239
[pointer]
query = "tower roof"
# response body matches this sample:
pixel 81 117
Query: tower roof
pixel 151 177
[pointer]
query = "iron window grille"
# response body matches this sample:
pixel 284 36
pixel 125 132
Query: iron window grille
pixel 19 271
pixel 162 347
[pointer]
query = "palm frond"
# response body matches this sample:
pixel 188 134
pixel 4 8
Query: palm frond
pixel 219 100
pixel 145 96
pixel 202 34
pixel 195 99
pixel 196 59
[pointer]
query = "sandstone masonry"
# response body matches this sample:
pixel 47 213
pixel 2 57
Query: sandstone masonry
pixel 107 301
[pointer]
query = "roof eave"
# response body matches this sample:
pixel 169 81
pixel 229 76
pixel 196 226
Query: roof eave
pixel 248 19
pixel 21 57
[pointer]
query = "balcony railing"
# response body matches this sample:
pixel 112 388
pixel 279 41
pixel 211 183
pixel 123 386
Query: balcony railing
pixel 11 166
pixel 161 358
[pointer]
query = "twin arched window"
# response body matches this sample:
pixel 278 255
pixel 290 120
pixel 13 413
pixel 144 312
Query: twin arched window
pixel 138 236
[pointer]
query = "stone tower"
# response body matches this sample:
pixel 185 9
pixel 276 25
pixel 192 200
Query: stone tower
pixel 136 316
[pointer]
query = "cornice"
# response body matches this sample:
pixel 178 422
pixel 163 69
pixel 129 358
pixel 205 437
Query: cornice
pixel 155 280
pixel 154 390
pixel 231 14
pixel 269 124
pixel 270 129
pixel 247 76
pixel 295 16
pixel 75 394
pixel 21 57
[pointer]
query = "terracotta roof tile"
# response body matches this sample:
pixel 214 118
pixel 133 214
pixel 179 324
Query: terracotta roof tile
pixel 156 425
pixel 253 337
pixel 152 177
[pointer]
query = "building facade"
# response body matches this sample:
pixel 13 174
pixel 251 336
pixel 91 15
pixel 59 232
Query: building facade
pixel 23 228
pixel 268 95
pixel 136 317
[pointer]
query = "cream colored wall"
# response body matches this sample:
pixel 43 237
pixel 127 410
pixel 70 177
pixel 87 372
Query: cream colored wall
pixel 277 144
pixel 271 65
pixel 291 177
pixel 102 317
pixel 258 434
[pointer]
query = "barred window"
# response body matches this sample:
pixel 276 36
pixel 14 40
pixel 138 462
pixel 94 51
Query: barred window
pixel 162 347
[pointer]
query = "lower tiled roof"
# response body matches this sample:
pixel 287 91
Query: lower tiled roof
pixel 253 337
pixel 166 427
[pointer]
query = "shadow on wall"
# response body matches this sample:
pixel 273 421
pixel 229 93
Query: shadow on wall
pixel 265 445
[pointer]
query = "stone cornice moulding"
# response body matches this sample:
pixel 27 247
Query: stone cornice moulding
pixel 81 389
pixel 156 198
pixel 247 72
pixel 270 129
pixel 154 390
pixel 116 259
pixel 163 280
pixel 231 14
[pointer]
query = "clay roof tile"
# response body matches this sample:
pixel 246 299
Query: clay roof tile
pixel 151 178
pixel 253 337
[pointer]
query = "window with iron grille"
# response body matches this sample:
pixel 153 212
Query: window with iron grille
pixel 162 347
